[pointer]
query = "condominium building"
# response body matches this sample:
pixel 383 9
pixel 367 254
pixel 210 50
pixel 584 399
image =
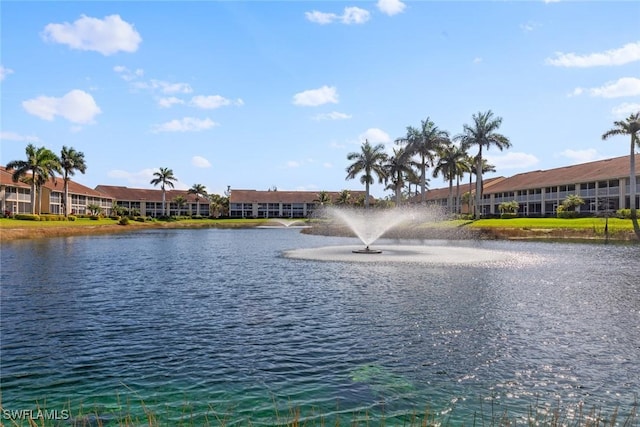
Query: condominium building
pixel 148 202
pixel 279 204
pixel 602 184
pixel 15 197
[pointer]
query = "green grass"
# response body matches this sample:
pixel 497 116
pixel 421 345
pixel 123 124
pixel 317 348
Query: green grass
pixel 79 222
pixel 553 223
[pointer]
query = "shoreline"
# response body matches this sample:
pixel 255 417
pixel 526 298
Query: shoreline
pixel 8 234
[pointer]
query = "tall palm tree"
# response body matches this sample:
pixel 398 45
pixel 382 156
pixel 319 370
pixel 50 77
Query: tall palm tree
pixel 369 160
pixel 398 168
pixel 41 164
pixel 450 165
pixel 70 162
pixel 424 142
pixel 482 133
pixel 164 177
pixel 198 190
pixel 180 201
pixel 630 126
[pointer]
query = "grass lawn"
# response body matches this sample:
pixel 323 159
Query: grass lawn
pixel 553 223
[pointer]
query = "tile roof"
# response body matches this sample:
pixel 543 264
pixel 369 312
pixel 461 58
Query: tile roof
pixel 278 196
pixel 147 194
pixel 617 167
pixel 443 193
pixel 53 184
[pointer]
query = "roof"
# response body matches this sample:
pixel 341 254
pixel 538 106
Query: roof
pixel 443 193
pixel 277 196
pixel 6 178
pixel 53 184
pixel 146 194
pixel 601 170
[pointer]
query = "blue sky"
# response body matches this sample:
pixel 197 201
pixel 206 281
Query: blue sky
pixel 256 94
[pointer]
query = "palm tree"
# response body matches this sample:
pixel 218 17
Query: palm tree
pixel 41 164
pixel 482 133
pixel 425 142
pixel 369 160
pixel 450 165
pixel 323 198
pixel 198 190
pixel 344 198
pixel 630 126
pixel 164 177
pixel 398 168
pixel 180 201
pixel 70 162
pixel 218 205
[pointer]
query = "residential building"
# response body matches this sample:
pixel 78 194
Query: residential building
pixel 148 202
pixel 15 197
pixel 602 184
pixel 279 204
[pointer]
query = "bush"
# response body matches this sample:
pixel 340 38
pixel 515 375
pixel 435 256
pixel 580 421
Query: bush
pixel 115 217
pixel 623 213
pixel 506 215
pixel 567 214
pixel 124 221
pixel 71 218
pixel 140 219
pixel 197 217
pixel 94 217
pixel 51 217
pixel 28 217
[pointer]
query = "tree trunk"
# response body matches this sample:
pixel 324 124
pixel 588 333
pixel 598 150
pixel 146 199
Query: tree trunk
pixel 632 188
pixel 366 196
pixel 423 182
pixel 33 195
pixel 66 197
pixel 164 203
pixel 478 183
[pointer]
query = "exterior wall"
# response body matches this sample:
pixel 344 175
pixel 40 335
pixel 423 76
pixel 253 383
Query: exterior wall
pixel 16 200
pixel 599 196
pixel 271 210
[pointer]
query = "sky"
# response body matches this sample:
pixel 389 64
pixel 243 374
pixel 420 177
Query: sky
pixel 261 94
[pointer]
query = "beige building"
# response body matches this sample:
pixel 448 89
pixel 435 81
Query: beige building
pixel 15 197
pixel 148 202
pixel 602 184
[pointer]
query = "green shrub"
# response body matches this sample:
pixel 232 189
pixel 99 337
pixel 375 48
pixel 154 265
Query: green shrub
pixel 507 215
pixel 197 217
pixel 71 218
pixel 115 217
pixel 52 217
pixel 566 214
pixel 623 213
pixel 139 219
pixel 94 217
pixel 28 217
pixel 124 220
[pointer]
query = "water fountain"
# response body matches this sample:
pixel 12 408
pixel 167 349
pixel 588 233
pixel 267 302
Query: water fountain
pixel 418 237
pixel 285 223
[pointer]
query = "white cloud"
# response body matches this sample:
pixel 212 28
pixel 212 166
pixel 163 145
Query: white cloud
pixel 625 86
pixel 512 160
pixel 13 136
pixel 350 15
pixel 477 60
pixel 624 55
pixel 136 178
pixel 76 106
pixel 581 156
pixel 355 15
pixel 391 7
pixel 320 17
pixel 293 164
pixel 334 115
pixel 107 36
pixel 528 26
pixel 187 124
pixel 374 136
pixel 213 101
pixel 164 87
pixel 4 72
pixel 200 162
pixel 127 74
pixel 623 110
pixel 168 102
pixel 315 97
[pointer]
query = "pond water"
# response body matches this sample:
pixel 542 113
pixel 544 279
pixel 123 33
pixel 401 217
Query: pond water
pixel 238 323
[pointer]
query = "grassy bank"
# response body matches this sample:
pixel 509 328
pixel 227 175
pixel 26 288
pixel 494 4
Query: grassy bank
pixel 515 228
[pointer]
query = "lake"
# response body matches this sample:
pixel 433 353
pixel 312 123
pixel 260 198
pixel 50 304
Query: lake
pixel 225 323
